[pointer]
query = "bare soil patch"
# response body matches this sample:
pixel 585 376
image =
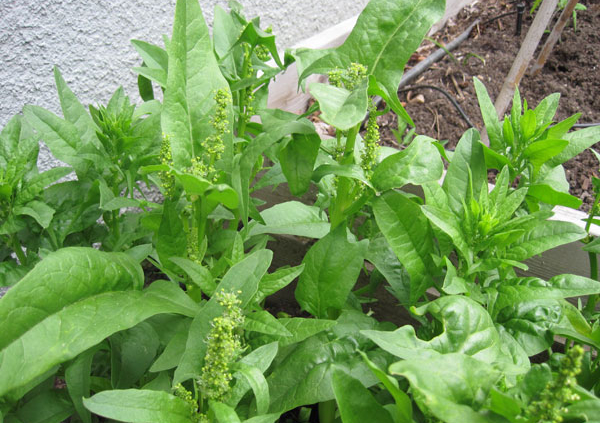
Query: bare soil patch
pixel 571 70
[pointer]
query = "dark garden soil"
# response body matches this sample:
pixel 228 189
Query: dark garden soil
pixel 573 70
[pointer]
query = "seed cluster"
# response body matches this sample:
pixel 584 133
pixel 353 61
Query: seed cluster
pixel 558 392
pixel 224 345
pixel 167 177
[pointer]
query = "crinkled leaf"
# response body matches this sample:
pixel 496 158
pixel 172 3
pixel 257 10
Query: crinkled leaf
pixel 450 386
pixel 62 278
pixel 78 326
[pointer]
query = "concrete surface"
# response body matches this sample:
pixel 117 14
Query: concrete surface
pixel 89 41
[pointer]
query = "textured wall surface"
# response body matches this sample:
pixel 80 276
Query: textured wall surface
pixel 89 41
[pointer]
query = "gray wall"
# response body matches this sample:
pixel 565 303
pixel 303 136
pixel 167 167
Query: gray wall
pixel 89 41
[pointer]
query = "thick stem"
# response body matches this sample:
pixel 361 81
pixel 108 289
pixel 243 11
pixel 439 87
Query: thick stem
pixel 244 95
pixel 343 198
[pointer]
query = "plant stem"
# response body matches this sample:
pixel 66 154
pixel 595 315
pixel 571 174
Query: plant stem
pixel 18 250
pixel 343 199
pixel 590 306
pixel 327 411
pixel 244 96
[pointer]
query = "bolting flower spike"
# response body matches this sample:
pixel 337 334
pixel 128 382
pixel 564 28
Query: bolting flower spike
pixel 224 345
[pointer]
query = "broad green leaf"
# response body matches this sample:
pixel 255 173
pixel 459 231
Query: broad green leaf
pixel 172 238
pixel 171 356
pixel 242 278
pixel 293 218
pixel 139 405
pixel 468 157
pixel 192 82
pixel 192 184
pixel 494 160
pixel 403 401
pixel 48 406
pixel 300 328
pixel 265 418
pixel 41 212
pixel 222 413
pixel 410 238
pixel 355 403
pixel 547 194
pixel 546 109
pixel 40 181
pixel 273 282
pixel 132 353
pixel 75 113
pixel 260 358
pixel 545 235
pixel 540 152
pixel 385 260
pixel 61 137
pixel 258 383
pixel 386 34
pixel 78 326
pixel 341 108
pixel 242 171
pixel 490 117
pixel 420 162
pixel 281 123
pixel 578 141
pixel 153 74
pixel 264 322
pixel 304 375
pixel 331 268
pixel 153 55
pixel 9 137
pixel 199 274
pixel 297 161
pixel 449 386
pixel 449 224
pixel 78 380
pixel 531 323
pixel 63 278
pixel 222 194
pixel 587 409
pixel 349 171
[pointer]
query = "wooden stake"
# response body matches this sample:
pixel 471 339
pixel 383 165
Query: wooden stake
pixel 521 63
pixel 554 36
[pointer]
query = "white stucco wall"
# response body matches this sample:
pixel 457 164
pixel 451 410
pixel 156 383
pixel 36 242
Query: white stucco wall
pixel 89 41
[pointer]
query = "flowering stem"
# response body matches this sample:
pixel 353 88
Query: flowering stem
pixel 343 198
